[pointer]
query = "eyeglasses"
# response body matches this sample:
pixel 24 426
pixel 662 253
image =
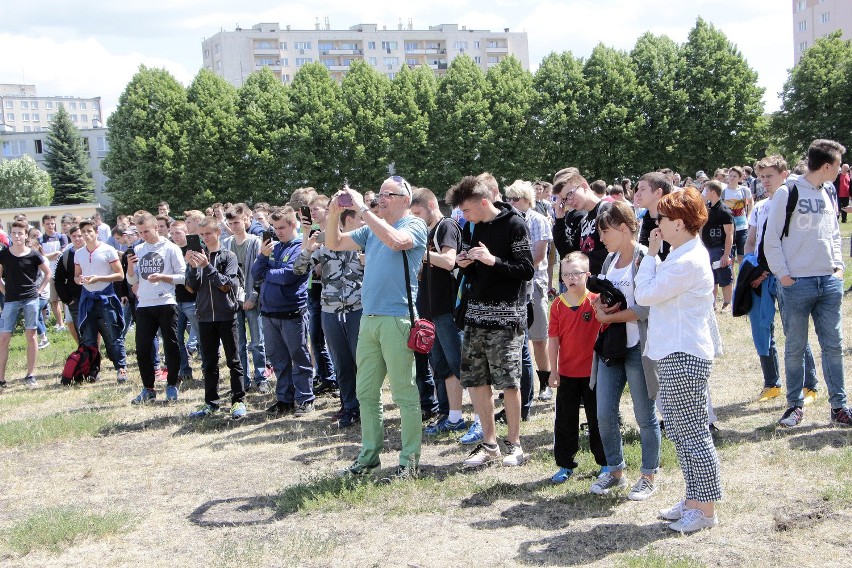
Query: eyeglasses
pixel 400 181
pixel 513 199
pixel 570 193
pixel 574 275
pixel 389 195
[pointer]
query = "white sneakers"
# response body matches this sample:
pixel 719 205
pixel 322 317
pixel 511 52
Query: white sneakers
pixel 483 455
pixel 514 454
pixel 688 520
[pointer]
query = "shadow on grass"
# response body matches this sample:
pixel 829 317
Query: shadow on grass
pixel 235 512
pixel 820 438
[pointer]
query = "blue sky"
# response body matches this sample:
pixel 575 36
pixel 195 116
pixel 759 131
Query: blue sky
pixel 94 48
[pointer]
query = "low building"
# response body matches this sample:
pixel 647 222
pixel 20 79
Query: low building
pixel 34 214
pixel 24 111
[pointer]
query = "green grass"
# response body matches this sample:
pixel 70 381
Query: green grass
pixel 653 559
pixel 58 528
pixel 35 431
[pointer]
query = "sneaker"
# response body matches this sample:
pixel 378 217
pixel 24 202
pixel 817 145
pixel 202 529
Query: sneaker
pixel 810 395
pixel 326 387
pixel 402 473
pixel 769 393
pixel 473 435
pixel 674 513
pixel 203 411
pixel 842 416
pixel 562 475
pixel 338 415
pixel 3 384
pixel 500 417
pixel 43 342
pixel 58 327
pixel 122 376
pixel 349 418
pixel 263 387
pixel 358 469
pixel 444 425
pixel 514 454
pixel 606 482
pixel 792 417
pixel 643 489
pixel 482 455
pixel 546 394
pixel 238 410
pixel 30 381
pixel 694 520
pixel 278 408
pixel 144 396
pixel 171 393
pixel 304 409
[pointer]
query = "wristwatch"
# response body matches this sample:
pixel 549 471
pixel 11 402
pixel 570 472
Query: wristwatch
pixel 364 208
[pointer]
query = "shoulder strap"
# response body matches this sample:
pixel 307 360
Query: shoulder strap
pixel 792 198
pixel 408 286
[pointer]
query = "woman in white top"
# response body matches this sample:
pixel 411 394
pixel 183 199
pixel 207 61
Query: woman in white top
pixel 679 292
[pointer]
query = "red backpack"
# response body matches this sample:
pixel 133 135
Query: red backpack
pixel 84 364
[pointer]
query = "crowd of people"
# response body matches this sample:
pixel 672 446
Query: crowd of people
pixel 319 296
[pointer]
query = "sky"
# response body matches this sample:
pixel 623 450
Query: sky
pixel 90 49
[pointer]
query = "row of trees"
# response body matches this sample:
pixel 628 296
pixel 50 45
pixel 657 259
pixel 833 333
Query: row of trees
pixel 690 106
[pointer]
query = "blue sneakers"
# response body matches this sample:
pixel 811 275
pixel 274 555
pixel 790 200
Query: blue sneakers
pixel 144 396
pixel 238 410
pixel 562 475
pixel 444 425
pixel 473 436
pixel 171 393
pixel 203 411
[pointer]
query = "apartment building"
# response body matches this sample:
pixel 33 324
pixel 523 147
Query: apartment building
pixel 17 144
pixel 235 55
pixel 24 111
pixel 813 19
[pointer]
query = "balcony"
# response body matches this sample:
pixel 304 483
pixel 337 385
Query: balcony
pixel 343 52
pixel 266 51
pixel 273 66
pixel 338 67
pixel 497 49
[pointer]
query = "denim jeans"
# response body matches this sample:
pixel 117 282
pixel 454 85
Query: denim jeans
pixel 325 368
pixel 819 298
pixel 104 320
pixel 610 387
pixel 186 318
pixel 287 343
pixel 256 345
pixel 341 334
pixel 445 357
pixel 769 365
pixel 425 383
pixel 527 389
pixel 41 327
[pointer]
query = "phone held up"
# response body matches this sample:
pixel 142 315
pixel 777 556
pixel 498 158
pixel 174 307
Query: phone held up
pixel 193 243
pixel 306 214
pixel 269 235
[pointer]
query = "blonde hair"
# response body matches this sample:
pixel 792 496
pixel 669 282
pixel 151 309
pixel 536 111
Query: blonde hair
pixel 576 257
pixel 523 189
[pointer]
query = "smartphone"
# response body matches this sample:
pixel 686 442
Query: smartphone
pixel 269 235
pixel 345 200
pixel 306 214
pixel 193 243
pixel 321 237
pixel 716 264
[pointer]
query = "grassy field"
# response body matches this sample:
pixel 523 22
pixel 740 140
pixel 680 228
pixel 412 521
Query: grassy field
pixel 89 480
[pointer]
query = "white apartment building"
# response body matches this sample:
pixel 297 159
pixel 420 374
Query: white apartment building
pixel 17 144
pixel 813 19
pixel 235 55
pixel 24 111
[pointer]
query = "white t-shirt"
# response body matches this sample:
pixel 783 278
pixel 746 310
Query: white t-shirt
pixel 622 278
pixel 737 202
pixel 758 218
pixel 97 262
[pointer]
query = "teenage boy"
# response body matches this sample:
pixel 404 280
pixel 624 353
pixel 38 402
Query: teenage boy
pixel 96 268
pixel 739 200
pixel 717 234
pixel 157 267
pixel 497 261
pixel 19 268
pixel 650 189
pixel 580 197
pixel 66 288
pixel 802 247
pixel 187 320
pixel 214 276
pixel 52 245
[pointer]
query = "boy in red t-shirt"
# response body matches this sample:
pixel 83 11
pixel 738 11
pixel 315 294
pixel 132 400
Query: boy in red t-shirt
pixel 572 332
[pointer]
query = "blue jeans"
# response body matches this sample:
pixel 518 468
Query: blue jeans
pixel 101 319
pixel 287 340
pixel 610 387
pixel 186 318
pixel 256 345
pixel 445 357
pixel 770 368
pixel 325 368
pixel 819 298
pixel 527 390
pixel 40 325
pixel 425 383
pixel 341 333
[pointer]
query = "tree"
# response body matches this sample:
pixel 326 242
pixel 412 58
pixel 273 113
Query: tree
pixel 508 151
pixel 363 137
pixel 410 104
pixel 460 127
pixel 816 96
pixel 723 123
pixel 212 151
pixel 656 62
pixel 147 139
pixel 24 184
pixel 561 94
pixel 610 120
pixel 67 163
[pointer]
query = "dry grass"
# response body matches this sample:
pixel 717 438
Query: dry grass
pixel 263 492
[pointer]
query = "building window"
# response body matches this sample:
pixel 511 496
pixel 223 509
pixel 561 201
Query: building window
pixel 73 105
pixel 84 118
pixel 25 116
pixel 373 61
pixel 74 118
pixel 391 76
pixel 263 45
pixel 82 106
pixel 49 117
pixel 25 104
pixel 84 142
pixel 801 5
pixel 460 45
pixel 96 106
pixel 328 62
pixel 477 59
pixel 206 54
pixel 10 104
pixel 264 61
pixel 476 45
pixel 285 62
pixel 28 129
pixel 388 45
pixel 39 147
pixel 102 144
pixel 411 61
pixel 803 46
pixel 826 16
pixel 285 78
pixel 303 61
pixel 34 105
pixel 14 148
pixel 219 65
pixel 493 59
pixel 48 104
pixel 282 45
pixel 803 26
pixel 10 116
pixel 217 48
pixel 371 45
pixel 349 46
pixel 391 61
pixel 325 46
pixel 302 45
pixel 36 117
pixel 410 46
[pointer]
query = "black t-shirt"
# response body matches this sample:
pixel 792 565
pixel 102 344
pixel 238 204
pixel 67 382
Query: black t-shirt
pixel 20 274
pixel 647 225
pixel 440 284
pixel 590 239
pixel 713 232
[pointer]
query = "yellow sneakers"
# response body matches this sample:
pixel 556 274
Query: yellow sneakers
pixel 810 395
pixel 769 393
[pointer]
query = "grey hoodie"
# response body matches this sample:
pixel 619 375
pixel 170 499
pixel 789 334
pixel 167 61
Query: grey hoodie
pixel 164 257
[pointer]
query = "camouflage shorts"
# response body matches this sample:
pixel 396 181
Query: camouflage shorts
pixel 491 357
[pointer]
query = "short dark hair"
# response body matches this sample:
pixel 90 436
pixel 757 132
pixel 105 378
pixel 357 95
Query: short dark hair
pixel 598 186
pixel 715 186
pixel 86 223
pixel 346 214
pixel 618 213
pixel 822 152
pixel 422 197
pixel 658 180
pixel 470 187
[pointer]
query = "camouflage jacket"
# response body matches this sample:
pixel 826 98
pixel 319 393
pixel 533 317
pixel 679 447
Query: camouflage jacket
pixel 342 276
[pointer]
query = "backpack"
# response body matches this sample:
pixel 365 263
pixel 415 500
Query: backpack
pixel 84 364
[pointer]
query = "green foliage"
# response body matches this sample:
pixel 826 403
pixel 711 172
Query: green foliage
pixel 60 527
pixel 67 163
pixel 815 98
pixel 23 184
pixel 653 559
pixel 410 105
pixel 147 139
pixel 36 431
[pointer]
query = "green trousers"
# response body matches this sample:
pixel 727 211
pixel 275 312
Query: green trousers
pixel 383 352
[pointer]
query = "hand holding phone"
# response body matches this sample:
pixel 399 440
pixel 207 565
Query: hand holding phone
pixel 193 243
pixel 345 200
pixel 306 214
